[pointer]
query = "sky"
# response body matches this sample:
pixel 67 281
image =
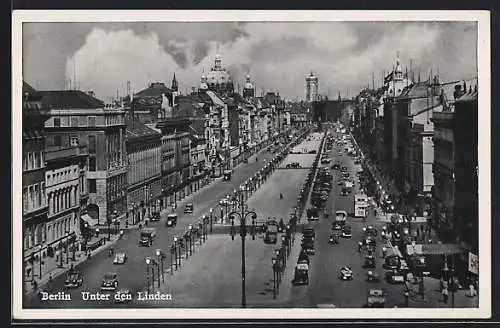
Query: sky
pixel 346 56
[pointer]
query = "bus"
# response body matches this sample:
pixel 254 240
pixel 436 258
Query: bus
pixel 360 205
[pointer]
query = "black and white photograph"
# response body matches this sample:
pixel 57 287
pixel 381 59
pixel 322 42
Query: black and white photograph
pixel 251 164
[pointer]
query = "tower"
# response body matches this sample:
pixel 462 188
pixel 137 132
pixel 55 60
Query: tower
pixel 311 88
pixel 248 89
pixel 175 86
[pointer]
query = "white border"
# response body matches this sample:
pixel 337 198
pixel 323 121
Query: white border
pixel 484 159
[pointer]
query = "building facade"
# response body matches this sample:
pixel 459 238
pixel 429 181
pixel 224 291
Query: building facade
pixel 144 154
pixel 78 119
pixel 35 208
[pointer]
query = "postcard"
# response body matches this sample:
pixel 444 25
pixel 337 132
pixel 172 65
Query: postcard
pixel 229 164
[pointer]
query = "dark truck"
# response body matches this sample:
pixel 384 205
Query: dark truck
pixel 147 236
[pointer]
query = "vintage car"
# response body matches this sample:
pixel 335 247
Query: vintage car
pixel 171 220
pixel 301 274
pixel 370 231
pixel 345 273
pixel 312 214
pixel 74 279
pixel 346 232
pixel 333 239
pixel 369 262
pixel 376 298
pixel 120 258
pixel 110 281
pixel 325 161
pixel 155 216
pixel 394 277
pixel 189 208
pixel 372 276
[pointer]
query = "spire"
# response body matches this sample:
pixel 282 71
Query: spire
pixel 175 86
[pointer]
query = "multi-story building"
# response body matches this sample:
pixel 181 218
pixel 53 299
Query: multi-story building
pixel 176 179
pixel 218 79
pixel 63 182
pixel 248 89
pixel 144 152
pixel 78 119
pixel 35 207
pixel 147 103
pixel 466 213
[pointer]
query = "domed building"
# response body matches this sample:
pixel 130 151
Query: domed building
pixel 203 84
pixel 218 79
pixel 248 89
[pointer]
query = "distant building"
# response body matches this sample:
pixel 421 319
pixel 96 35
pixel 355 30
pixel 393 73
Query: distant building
pixel 147 104
pixel 311 88
pixel 249 88
pixel 78 119
pixel 144 152
pixel 218 79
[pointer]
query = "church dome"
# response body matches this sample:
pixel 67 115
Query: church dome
pixel 248 83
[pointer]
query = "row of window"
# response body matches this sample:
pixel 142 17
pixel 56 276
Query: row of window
pixel 49 232
pixel 61 176
pixel 74 121
pixel 34 197
pixel 63 199
pixel 33 160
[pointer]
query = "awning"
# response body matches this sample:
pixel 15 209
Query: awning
pixel 433 249
pixel 87 218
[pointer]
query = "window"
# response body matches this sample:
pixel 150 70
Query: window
pixel 30 161
pixel 36 158
pixel 42 184
pixel 92 164
pixel 31 198
pixel 42 159
pixel 65 121
pixel 38 198
pixel 92 144
pixel 92 186
pixel 25 198
pixel 91 121
pixel 57 141
pixel 74 121
pixel 57 122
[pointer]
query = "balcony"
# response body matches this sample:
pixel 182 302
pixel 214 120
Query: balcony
pixel 56 153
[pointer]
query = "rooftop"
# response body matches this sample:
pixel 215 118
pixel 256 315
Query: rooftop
pixel 68 99
pixel 138 130
pixel 153 90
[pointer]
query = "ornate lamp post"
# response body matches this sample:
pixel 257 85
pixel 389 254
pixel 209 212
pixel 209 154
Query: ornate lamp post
pixel 243 217
pixel 275 273
pixel 148 262
pixel 191 243
pixel 160 257
pixel 211 220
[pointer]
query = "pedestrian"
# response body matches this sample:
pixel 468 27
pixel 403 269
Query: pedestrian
pixel 445 295
pixel 50 278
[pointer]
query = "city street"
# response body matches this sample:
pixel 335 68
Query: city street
pixel 94 269
pixel 325 288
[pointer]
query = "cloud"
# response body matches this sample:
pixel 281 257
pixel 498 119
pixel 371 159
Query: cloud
pixel 278 55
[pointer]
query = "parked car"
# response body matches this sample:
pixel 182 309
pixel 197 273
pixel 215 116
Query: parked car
pixel 171 220
pixel 301 274
pixel 346 232
pixel 394 277
pixel 110 281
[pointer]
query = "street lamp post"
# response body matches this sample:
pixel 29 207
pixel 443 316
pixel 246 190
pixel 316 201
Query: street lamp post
pixel 211 220
pixel 67 247
pixel 275 272
pixel 172 250
pixel 191 240
pixel 73 239
pixel 40 260
pixel 199 232
pixel 277 252
pixel 148 262
pixel 159 256
pixel 243 217
pixel 175 251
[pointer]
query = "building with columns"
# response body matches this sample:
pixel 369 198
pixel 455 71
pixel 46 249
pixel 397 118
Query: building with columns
pixel 79 119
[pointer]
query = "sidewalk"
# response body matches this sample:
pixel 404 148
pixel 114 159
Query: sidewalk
pixel 51 267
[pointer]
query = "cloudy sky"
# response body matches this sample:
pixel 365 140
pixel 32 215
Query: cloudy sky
pixel 278 55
